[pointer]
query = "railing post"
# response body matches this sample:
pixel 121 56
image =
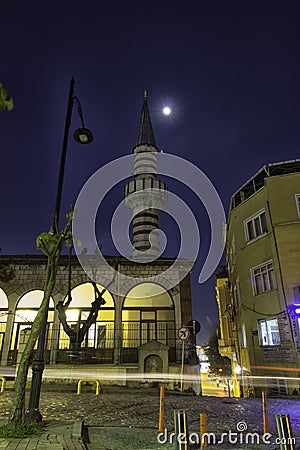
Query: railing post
pixel 284 432
pixel 181 430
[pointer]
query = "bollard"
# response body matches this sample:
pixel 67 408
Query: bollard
pixel 284 432
pixel 203 439
pixel 181 439
pixel 265 411
pixel 88 381
pixel 161 410
pixel 3 379
pixel 228 387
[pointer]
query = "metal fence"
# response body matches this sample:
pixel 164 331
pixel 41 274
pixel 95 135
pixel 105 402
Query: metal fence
pixel 104 343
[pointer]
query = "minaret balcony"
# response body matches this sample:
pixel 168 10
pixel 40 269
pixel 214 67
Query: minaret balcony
pixel 140 184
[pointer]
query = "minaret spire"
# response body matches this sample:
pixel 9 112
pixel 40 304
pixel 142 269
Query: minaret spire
pixel 145 194
pixel 145 132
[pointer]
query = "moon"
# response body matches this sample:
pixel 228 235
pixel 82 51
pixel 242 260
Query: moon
pixel 167 111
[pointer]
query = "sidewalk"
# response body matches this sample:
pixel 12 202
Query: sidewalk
pixel 58 436
pixel 125 438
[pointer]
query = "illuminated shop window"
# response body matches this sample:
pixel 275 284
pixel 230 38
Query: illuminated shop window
pixel 269 332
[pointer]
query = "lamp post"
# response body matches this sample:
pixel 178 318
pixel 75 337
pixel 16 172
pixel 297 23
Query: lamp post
pixel 83 136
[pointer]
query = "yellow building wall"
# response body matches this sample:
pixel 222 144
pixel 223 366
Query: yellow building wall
pixel 281 244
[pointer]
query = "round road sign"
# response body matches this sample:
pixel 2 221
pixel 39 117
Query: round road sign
pixel 183 333
pixel 194 326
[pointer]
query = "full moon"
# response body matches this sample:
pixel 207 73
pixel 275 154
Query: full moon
pixel 167 111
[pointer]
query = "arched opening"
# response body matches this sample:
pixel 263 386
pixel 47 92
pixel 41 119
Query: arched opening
pixel 26 311
pixel 3 317
pixel 98 344
pixel 148 314
pixel 153 364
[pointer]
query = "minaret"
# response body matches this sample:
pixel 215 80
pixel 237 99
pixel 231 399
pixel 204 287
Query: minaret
pixel 145 195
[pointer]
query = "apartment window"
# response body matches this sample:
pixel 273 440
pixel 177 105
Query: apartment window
pixel 237 293
pixel 269 332
pixel 297 196
pixel 263 278
pixel 243 338
pixel 230 258
pixel 296 290
pixel 256 226
pixel 231 254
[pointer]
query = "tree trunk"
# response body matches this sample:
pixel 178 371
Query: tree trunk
pixel 17 411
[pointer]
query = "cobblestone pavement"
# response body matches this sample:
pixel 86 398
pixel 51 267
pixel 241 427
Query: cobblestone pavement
pixel 138 409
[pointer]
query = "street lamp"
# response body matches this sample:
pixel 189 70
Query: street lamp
pixel 82 136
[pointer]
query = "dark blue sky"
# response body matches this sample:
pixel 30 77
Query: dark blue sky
pixel 229 69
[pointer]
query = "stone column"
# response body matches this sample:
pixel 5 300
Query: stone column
pixel 118 329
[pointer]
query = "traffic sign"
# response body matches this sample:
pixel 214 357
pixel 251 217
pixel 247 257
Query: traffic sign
pixel 183 333
pixel 194 326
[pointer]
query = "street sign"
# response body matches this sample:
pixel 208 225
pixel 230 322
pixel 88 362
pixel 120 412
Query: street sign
pixel 194 326
pixel 183 333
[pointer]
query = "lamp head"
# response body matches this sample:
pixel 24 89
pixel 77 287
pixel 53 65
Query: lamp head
pixel 83 136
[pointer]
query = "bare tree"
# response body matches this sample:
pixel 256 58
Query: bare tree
pixel 5 99
pixel 77 335
pixel 51 245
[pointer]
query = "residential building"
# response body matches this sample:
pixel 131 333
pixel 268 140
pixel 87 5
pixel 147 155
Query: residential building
pixel 258 292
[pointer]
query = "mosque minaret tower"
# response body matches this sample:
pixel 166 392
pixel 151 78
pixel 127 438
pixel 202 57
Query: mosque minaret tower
pixel 145 195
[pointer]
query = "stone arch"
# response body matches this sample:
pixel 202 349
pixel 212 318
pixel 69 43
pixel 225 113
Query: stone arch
pixel 34 285
pixel 79 279
pixel 161 281
pixel 108 296
pixel 100 334
pixel 62 287
pixel 7 288
pixel 3 300
pixel 153 363
pixel 24 313
pixel 153 291
pixel 148 315
pixel 3 317
pixel 36 299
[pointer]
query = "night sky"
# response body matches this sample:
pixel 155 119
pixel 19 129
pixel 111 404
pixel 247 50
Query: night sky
pixel 230 71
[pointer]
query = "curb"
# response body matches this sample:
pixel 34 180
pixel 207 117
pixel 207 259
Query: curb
pixel 77 431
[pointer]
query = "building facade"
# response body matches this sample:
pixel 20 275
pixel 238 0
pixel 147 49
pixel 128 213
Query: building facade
pixel 258 292
pixel 135 332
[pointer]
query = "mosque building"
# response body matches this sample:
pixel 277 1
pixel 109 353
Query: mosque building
pixel 135 332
